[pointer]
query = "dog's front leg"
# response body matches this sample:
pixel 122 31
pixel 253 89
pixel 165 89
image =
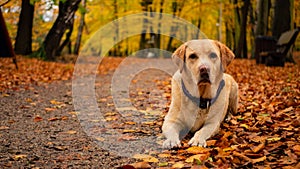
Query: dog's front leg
pixel 171 130
pixel 212 124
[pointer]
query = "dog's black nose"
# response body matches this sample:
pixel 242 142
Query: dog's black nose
pixel 203 70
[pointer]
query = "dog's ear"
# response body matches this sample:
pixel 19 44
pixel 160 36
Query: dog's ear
pixel 178 57
pixel 226 54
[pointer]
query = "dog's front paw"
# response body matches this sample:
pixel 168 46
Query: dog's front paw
pixel 197 141
pixel 169 143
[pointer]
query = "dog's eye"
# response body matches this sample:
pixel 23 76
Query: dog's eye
pixel 193 56
pixel 213 55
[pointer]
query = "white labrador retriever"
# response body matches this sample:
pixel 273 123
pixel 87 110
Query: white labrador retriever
pixel 202 93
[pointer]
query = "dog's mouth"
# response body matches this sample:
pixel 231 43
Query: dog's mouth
pixel 204 79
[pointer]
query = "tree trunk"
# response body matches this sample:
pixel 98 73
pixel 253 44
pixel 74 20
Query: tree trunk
pixel 263 10
pixel 237 25
pixel 66 13
pixel 24 33
pixel 158 36
pixel 80 29
pixel 6 49
pixel 144 5
pixel 67 41
pixel 199 19
pixel 174 29
pixel 241 51
pixel 282 17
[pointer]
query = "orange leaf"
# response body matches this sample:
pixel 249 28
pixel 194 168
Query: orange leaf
pixel 37 118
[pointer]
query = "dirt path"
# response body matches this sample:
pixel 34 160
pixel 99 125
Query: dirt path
pixel 40 128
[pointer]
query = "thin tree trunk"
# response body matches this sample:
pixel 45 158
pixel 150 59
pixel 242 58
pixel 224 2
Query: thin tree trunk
pixel 158 36
pixel 282 17
pixel 241 51
pixel 67 41
pixel 24 33
pixel 80 29
pixel 144 5
pixel 174 29
pixel 199 19
pixel 6 49
pixel 66 13
pixel 237 23
pixel 262 17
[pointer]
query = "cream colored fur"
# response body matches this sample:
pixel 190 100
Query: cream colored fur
pixel 184 115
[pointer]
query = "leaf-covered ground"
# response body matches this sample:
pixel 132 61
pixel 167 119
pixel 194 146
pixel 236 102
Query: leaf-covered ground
pixel 39 128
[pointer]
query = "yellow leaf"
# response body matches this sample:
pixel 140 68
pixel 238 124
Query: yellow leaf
pixel 164 155
pixel 55 102
pixel 49 109
pixel 5 95
pixel 273 139
pixel 130 122
pixel 197 157
pixel 129 131
pixel 245 126
pixel 146 158
pixel 178 165
pixel 110 114
pixel 228 149
pixel 99 138
pixel 151 123
pixel 19 156
pixel 163 164
pixel 197 150
pixel 71 132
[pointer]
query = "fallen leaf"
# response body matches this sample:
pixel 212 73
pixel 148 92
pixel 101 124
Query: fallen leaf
pixel 146 158
pixel 178 165
pixel 163 164
pixel 200 157
pixel 4 127
pixel 71 132
pixel 259 147
pixel 48 109
pixel 273 139
pixel 100 139
pixel 37 118
pixel 19 156
pixel 55 102
pixel 197 150
pixel 257 160
pixel 164 155
pixel 54 118
pixel 142 164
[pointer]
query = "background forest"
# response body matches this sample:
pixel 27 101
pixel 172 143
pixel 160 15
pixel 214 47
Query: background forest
pixel 50 28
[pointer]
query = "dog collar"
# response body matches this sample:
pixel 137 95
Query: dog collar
pixel 202 102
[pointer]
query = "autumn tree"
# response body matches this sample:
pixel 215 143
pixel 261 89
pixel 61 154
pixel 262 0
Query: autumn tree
pixel 6 49
pixel 241 50
pixel 282 17
pixel 80 27
pixel 24 33
pixel 145 7
pixel 67 9
pixel 263 10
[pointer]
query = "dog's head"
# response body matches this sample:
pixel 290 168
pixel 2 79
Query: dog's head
pixel 205 60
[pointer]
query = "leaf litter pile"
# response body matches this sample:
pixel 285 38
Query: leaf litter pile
pixel 264 133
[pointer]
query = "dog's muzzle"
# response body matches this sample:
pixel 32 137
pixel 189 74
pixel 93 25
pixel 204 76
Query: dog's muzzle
pixel 204 74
